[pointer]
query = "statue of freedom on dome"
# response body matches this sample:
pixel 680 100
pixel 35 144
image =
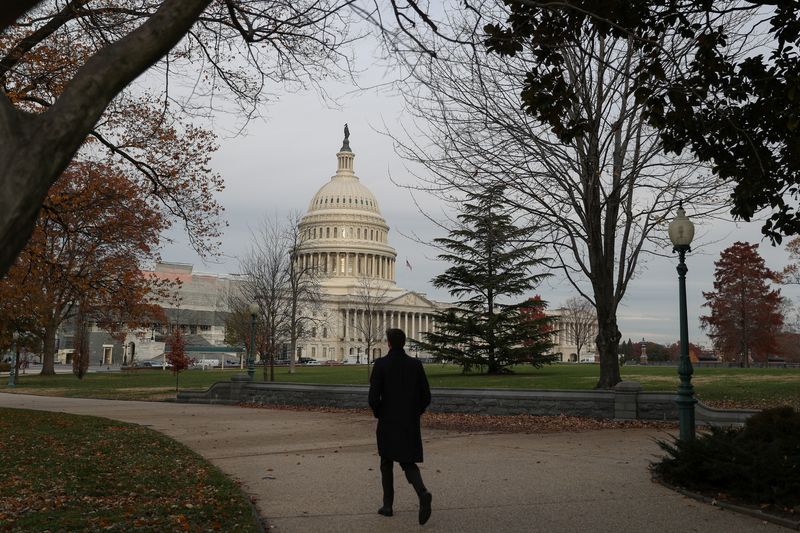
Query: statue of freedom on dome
pixel 346 144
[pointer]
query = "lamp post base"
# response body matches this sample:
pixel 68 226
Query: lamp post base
pixel 686 420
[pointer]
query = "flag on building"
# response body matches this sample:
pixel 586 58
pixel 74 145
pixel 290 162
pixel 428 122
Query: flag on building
pixel 408 265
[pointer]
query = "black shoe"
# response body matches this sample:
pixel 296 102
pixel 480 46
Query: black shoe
pixel 425 507
pixel 386 511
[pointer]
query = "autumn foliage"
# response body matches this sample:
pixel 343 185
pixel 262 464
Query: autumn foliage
pixel 745 315
pixel 139 135
pixel 87 250
pixel 539 324
pixel 176 356
pixel 140 169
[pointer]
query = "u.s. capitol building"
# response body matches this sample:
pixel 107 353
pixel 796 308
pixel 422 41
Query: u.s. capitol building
pixel 346 241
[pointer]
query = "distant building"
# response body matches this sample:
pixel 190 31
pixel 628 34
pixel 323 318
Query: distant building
pixel 564 339
pixel 200 312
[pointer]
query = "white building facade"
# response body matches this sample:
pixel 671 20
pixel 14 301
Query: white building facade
pixel 346 239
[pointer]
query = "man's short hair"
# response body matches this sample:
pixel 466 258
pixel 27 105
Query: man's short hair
pixel 396 337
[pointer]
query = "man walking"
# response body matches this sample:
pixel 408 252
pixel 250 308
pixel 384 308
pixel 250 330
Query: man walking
pixel 398 395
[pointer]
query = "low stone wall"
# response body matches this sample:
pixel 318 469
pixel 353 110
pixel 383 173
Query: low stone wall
pixel 626 402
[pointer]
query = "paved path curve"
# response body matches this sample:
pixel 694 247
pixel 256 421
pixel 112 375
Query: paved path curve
pixel 317 472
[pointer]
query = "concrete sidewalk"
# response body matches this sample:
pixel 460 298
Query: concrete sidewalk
pixel 318 472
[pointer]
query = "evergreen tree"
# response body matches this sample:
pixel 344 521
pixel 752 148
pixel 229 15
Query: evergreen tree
pixel 491 264
pixel 745 311
pixel 625 351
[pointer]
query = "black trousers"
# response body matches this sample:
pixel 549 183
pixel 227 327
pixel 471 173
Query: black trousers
pixel 413 476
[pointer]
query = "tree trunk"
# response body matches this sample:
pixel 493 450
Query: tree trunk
pixel 37 148
pixel 17 363
pixel 608 337
pixel 49 351
pixel 292 353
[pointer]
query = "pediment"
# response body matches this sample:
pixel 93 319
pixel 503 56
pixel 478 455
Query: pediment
pixel 412 299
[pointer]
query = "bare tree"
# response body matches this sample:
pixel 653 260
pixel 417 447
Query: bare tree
pixel 238 323
pixel 578 321
pixel 303 291
pixel 285 288
pixel 598 201
pixel 265 281
pixel 369 323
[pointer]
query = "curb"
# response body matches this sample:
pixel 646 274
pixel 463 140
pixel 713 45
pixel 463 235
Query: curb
pixel 755 513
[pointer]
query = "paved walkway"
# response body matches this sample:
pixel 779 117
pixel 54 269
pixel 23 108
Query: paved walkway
pixel 318 472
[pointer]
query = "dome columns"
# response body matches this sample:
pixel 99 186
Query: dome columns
pixel 414 323
pixel 345 162
pixel 350 264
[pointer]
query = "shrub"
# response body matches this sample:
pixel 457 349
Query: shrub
pixel 759 463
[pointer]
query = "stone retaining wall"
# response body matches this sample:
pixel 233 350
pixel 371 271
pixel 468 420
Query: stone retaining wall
pixel 626 402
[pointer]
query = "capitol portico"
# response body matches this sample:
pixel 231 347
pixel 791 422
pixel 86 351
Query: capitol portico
pixel 345 237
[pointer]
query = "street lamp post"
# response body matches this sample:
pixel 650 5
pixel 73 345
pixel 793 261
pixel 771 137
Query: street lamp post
pixel 12 373
pixel 681 232
pixel 251 360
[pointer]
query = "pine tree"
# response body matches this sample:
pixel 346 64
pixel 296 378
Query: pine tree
pixel 745 312
pixel 492 263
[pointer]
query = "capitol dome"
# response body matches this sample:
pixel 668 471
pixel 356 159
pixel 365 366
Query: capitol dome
pixel 343 232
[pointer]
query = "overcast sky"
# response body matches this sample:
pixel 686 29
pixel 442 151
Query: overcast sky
pixel 280 163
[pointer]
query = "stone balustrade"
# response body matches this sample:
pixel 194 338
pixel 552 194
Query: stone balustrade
pixel 626 402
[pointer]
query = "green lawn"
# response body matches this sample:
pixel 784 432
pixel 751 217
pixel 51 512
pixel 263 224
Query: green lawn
pixel 82 473
pixel 729 386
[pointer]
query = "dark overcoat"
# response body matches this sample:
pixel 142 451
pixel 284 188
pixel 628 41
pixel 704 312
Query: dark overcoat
pixel 398 395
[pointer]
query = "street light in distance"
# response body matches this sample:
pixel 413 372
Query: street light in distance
pixel 253 308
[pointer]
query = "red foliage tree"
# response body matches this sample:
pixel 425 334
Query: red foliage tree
pixel 745 313
pixel 176 356
pixel 694 352
pixel 88 248
pixel 541 326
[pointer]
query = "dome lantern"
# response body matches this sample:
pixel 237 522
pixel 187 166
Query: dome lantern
pixel 345 155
